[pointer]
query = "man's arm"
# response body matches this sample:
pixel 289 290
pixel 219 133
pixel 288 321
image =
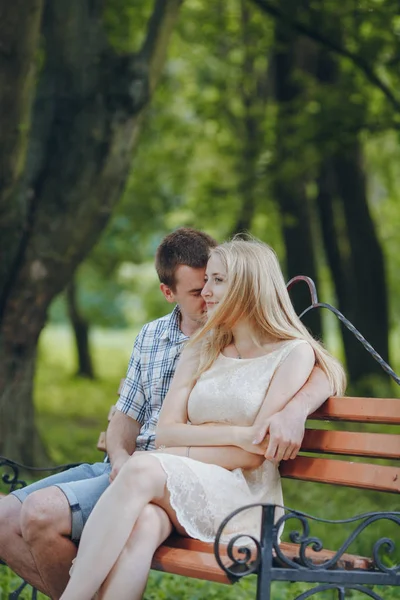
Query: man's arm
pixel 121 440
pixel 127 420
pixel 286 427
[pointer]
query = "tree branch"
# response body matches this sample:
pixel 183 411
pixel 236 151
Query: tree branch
pixel 271 9
pixel 159 29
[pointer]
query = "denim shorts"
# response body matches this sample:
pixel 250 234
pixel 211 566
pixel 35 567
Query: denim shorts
pixel 82 487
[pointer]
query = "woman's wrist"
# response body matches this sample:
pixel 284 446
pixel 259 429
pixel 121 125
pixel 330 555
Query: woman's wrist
pixel 239 435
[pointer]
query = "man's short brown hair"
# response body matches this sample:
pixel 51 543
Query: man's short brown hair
pixel 185 246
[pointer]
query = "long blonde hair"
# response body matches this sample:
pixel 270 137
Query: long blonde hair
pixel 257 293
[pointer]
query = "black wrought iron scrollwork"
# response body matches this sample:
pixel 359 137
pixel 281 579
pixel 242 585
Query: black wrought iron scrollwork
pixel 11 476
pixel 306 541
pixel 316 304
pixel 249 561
pixel 390 548
pixel 16 593
pixel 341 590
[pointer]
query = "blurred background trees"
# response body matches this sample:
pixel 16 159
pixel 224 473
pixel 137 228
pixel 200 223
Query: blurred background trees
pixel 278 118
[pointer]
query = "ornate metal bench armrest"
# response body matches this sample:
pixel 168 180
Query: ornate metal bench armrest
pixel 304 563
pixel 9 472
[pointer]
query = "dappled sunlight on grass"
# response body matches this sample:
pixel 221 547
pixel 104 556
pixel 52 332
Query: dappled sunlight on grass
pixel 71 411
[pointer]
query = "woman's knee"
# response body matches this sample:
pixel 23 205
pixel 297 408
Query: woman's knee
pixel 43 512
pixel 142 472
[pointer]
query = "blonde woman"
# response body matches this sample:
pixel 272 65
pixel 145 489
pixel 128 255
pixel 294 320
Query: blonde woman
pixel 243 366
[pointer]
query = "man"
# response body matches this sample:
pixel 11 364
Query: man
pixel 41 525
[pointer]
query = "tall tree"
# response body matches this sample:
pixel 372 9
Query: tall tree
pixel 86 118
pixel 19 36
pixel 291 176
pixel 351 242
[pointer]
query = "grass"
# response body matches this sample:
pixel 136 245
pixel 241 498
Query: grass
pixel 70 414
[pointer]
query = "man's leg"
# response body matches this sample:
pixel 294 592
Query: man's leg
pixel 15 549
pixel 52 521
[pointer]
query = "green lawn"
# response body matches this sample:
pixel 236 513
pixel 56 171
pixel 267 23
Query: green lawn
pixel 70 414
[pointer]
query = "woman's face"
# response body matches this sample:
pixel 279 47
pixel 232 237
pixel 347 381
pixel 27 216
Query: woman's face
pixel 216 283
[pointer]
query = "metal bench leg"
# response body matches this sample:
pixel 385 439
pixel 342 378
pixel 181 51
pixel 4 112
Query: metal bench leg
pixel 264 570
pixel 16 593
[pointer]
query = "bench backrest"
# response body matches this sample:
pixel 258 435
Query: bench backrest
pixel 370 447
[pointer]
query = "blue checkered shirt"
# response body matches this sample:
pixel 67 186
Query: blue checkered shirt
pixel 150 372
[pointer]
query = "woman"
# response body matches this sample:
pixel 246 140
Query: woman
pixel 245 364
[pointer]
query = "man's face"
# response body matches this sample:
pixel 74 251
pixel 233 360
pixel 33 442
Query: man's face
pixel 187 293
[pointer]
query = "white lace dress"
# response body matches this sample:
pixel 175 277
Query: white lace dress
pixel 202 495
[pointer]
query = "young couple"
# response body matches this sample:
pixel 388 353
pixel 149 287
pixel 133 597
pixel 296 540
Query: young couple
pixel 248 372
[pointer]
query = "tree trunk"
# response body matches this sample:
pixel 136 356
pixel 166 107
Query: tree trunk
pixel 80 327
pixel 19 35
pixel 370 303
pixel 352 246
pixel 290 180
pixel 86 119
pixel 251 132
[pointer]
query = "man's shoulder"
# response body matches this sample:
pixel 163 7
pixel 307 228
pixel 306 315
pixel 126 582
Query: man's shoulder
pixel 157 326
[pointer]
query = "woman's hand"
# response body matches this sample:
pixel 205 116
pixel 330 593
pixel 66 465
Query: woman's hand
pixel 246 439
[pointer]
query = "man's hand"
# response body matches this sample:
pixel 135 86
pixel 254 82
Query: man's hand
pixel 118 463
pixel 286 431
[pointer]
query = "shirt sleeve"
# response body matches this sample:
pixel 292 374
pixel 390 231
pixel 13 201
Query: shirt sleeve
pixel 132 400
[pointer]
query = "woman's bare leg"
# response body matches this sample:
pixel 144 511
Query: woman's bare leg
pixel 141 480
pixel 128 577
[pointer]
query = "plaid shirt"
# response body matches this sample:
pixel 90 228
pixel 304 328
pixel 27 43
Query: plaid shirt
pixel 150 372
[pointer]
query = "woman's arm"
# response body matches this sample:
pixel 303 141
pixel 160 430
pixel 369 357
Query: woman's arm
pixel 228 457
pixel 288 379
pixel 173 430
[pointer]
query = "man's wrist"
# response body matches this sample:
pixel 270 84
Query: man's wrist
pixel 119 454
pixel 298 404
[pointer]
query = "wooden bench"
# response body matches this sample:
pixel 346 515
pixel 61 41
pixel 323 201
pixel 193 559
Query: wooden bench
pixel 332 456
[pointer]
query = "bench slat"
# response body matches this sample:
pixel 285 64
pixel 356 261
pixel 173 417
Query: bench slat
pixel 171 560
pixel 362 410
pixel 339 472
pixel 376 445
pixel 179 561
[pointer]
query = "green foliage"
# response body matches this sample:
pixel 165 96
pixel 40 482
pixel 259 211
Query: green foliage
pixel 125 23
pixel 207 156
pixel 72 411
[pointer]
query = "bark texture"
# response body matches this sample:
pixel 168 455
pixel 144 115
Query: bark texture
pixel 253 99
pixel 19 36
pixel 352 246
pixel 289 182
pixel 86 119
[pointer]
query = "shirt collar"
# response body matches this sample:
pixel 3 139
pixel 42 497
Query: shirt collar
pixel 173 331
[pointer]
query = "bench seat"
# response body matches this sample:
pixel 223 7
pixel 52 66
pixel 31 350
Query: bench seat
pixel 193 558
